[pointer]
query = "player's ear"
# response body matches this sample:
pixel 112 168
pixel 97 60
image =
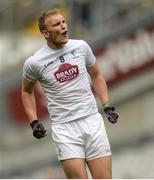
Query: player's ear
pixel 45 33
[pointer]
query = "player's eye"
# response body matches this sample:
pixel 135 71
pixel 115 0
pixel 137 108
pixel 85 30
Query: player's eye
pixel 57 24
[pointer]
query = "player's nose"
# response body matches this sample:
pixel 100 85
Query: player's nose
pixel 63 26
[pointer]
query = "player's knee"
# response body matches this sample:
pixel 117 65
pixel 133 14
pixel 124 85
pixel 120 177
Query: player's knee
pixel 76 176
pixel 103 175
pixel 107 175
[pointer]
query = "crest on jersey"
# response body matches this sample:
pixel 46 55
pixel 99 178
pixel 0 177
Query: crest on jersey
pixel 66 72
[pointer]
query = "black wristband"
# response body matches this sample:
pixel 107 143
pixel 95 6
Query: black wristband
pixel 33 123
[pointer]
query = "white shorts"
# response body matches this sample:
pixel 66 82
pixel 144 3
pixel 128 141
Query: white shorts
pixel 83 138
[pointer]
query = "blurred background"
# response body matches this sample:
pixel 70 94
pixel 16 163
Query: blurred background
pixel 121 34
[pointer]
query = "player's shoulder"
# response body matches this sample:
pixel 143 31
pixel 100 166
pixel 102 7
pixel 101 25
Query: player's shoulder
pixel 78 42
pixel 40 52
pixel 29 63
pixel 36 56
pixel 83 45
pixel 30 60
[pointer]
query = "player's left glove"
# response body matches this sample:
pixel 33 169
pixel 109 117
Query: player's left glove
pixel 110 114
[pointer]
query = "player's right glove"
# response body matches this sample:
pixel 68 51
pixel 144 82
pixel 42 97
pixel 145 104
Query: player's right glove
pixel 38 129
pixel 110 114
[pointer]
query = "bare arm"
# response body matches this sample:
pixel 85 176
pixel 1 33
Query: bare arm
pixel 29 99
pixel 100 87
pixel 98 83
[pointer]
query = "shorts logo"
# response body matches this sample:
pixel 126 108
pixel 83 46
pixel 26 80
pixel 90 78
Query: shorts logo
pixel 66 72
pixel 108 150
pixel 59 152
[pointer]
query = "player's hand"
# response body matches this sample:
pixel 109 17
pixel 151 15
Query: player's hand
pixel 38 129
pixel 110 114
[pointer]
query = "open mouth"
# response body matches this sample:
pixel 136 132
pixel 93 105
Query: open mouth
pixel 64 33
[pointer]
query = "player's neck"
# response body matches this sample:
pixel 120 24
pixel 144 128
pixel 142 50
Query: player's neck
pixel 55 46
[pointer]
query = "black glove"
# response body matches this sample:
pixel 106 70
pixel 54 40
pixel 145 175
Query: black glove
pixel 38 129
pixel 110 114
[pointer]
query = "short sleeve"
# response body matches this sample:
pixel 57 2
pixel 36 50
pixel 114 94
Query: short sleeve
pixel 90 58
pixel 29 71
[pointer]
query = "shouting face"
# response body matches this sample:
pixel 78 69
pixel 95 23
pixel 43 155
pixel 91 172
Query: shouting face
pixel 56 31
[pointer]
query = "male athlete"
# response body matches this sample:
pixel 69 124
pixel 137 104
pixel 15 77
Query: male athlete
pixel 63 67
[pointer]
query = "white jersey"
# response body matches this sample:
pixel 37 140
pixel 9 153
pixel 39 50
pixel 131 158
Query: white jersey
pixel 63 76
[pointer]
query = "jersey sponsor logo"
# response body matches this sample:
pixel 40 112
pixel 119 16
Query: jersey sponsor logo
pixel 66 72
pixel 46 65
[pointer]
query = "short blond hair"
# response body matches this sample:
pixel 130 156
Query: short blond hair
pixel 44 15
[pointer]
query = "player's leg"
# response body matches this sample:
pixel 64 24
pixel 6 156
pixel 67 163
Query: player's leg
pixel 97 149
pixel 70 149
pixel 75 168
pixel 101 168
